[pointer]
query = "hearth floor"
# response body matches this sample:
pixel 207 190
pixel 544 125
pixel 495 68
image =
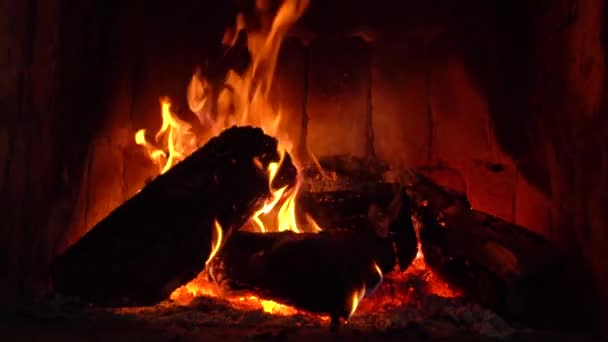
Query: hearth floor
pixel 210 319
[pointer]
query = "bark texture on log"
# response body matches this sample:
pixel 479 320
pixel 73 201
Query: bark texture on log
pixel 161 237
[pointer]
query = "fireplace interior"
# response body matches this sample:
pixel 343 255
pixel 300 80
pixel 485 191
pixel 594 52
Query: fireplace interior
pixel 444 164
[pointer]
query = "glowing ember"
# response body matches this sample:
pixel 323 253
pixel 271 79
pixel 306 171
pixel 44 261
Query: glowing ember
pixel 202 287
pixel 435 285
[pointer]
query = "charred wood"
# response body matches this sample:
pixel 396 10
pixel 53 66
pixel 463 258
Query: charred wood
pixel 365 234
pixel 319 273
pixel 161 237
pixel 353 195
pixel 382 210
pixel 495 263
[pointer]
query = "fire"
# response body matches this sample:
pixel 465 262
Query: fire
pixel 243 99
pixel 377 268
pixel 356 297
pixel 175 137
pixel 313 226
pixel 217 241
pixel 418 267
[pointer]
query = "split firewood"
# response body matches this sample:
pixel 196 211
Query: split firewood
pixel 161 237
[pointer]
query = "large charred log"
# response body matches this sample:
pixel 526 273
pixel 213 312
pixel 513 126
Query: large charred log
pixel 495 263
pixel 320 273
pixel 161 237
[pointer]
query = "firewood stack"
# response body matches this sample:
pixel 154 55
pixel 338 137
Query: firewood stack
pixel 162 237
pixel 367 231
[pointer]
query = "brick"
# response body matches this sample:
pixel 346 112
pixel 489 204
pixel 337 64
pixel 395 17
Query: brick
pixel 338 92
pixel 105 182
pixel 532 208
pixel 289 91
pixel 460 114
pixel 400 102
pixel 491 187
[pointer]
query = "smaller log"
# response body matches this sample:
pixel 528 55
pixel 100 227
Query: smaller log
pixel 319 273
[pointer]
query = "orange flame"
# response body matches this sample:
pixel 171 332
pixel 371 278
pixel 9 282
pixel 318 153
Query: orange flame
pixel 377 268
pixel 313 226
pixel 243 99
pixel 174 134
pixel 287 213
pixel 356 297
pixel 217 241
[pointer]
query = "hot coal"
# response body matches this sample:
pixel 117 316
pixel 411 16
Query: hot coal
pixel 161 237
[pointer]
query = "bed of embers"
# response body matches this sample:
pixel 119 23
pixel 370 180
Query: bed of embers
pixel 377 251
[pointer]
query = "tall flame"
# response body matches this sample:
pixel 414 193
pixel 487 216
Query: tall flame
pixel 243 99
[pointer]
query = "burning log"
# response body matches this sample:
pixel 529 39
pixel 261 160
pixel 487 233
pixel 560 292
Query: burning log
pixel 364 235
pixel 324 273
pixel 161 237
pixel 495 263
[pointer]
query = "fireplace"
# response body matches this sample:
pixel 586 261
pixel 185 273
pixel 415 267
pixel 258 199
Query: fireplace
pixel 495 109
